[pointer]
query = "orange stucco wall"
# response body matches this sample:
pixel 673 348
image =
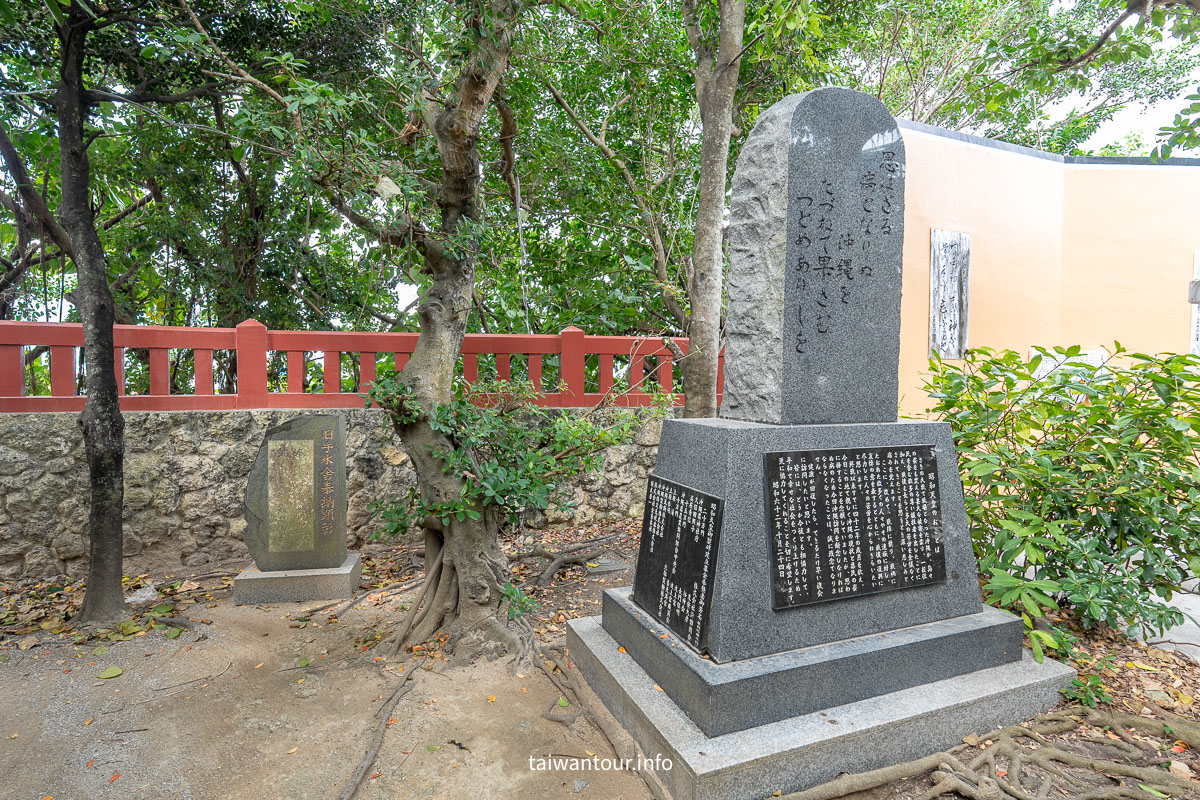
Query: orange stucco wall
pixel 1061 253
pixel 1130 235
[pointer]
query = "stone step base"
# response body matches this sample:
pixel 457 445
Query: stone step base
pixel 808 750
pixel 253 586
pixel 723 698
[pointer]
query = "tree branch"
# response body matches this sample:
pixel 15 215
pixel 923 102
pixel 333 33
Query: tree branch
pixel 651 225
pixel 29 194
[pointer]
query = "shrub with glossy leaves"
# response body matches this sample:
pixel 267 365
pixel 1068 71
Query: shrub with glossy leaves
pixel 1082 484
pixel 510 454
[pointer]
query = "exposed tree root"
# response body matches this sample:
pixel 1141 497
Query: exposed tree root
pixel 1022 764
pixel 579 553
pixel 383 715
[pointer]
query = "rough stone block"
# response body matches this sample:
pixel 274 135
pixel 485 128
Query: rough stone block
pixel 805 751
pixel 722 698
pixel 816 230
pixel 254 586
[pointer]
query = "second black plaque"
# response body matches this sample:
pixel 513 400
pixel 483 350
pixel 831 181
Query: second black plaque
pixel 853 521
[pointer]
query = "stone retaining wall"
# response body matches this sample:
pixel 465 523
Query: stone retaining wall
pixel 185 477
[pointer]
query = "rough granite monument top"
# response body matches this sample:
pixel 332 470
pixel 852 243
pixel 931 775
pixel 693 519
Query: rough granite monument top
pixel 816 234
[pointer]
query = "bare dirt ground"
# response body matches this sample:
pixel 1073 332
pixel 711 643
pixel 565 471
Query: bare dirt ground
pixel 283 702
pixel 226 710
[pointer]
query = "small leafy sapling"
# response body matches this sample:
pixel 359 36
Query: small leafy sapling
pixel 1088 690
pixel 519 603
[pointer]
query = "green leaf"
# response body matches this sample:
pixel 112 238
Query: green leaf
pixel 1151 791
pixel 110 672
pixel 304 662
pixel 562 701
pixel 173 633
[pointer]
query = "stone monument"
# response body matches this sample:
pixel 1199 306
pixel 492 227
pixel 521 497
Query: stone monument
pixel 296 516
pixel 806 596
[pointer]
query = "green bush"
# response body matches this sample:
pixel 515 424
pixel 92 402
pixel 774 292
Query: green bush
pixel 511 454
pixel 1083 485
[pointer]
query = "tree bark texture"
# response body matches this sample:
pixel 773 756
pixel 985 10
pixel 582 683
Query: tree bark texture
pixel 464 593
pixel 102 423
pixel 716 84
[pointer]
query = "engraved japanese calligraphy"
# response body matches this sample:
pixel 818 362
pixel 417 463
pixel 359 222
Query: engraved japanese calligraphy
pixel 850 522
pixel 289 490
pixel 949 288
pixel 681 531
pixel 326 497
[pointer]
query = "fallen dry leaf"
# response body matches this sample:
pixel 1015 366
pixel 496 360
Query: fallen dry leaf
pixel 114 777
pixel 88 721
pixel 491 698
pixel 294 749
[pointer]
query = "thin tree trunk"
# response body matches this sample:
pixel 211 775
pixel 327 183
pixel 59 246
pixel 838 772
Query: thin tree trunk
pixel 468 594
pixel 102 423
pixel 716 84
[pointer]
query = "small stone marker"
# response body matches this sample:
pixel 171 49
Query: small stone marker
pixel 296 515
pixel 816 234
pixel 296 495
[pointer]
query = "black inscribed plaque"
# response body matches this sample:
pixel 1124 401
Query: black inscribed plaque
pixel 681 531
pixel 850 522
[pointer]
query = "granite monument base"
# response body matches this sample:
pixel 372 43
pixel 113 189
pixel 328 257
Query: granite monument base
pixel 723 698
pixel 810 749
pixel 254 586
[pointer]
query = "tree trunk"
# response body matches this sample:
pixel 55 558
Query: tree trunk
pixel 464 594
pixel 715 89
pixel 102 423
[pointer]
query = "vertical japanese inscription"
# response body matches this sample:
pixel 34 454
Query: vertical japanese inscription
pixel 328 504
pixel 850 522
pixel 949 287
pixel 836 235
pixel 681 530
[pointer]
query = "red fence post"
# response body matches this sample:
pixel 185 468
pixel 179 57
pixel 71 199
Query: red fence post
pixel 12 371
pixel 251 364
pixel 572 365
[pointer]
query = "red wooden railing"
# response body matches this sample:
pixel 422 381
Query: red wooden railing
pixel 253 344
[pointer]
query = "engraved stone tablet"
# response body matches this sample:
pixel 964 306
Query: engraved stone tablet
pixel 681 531
pixel 291 516
pixel 949 292
pixel 296 495
pixel 816 234
pixel 851 522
